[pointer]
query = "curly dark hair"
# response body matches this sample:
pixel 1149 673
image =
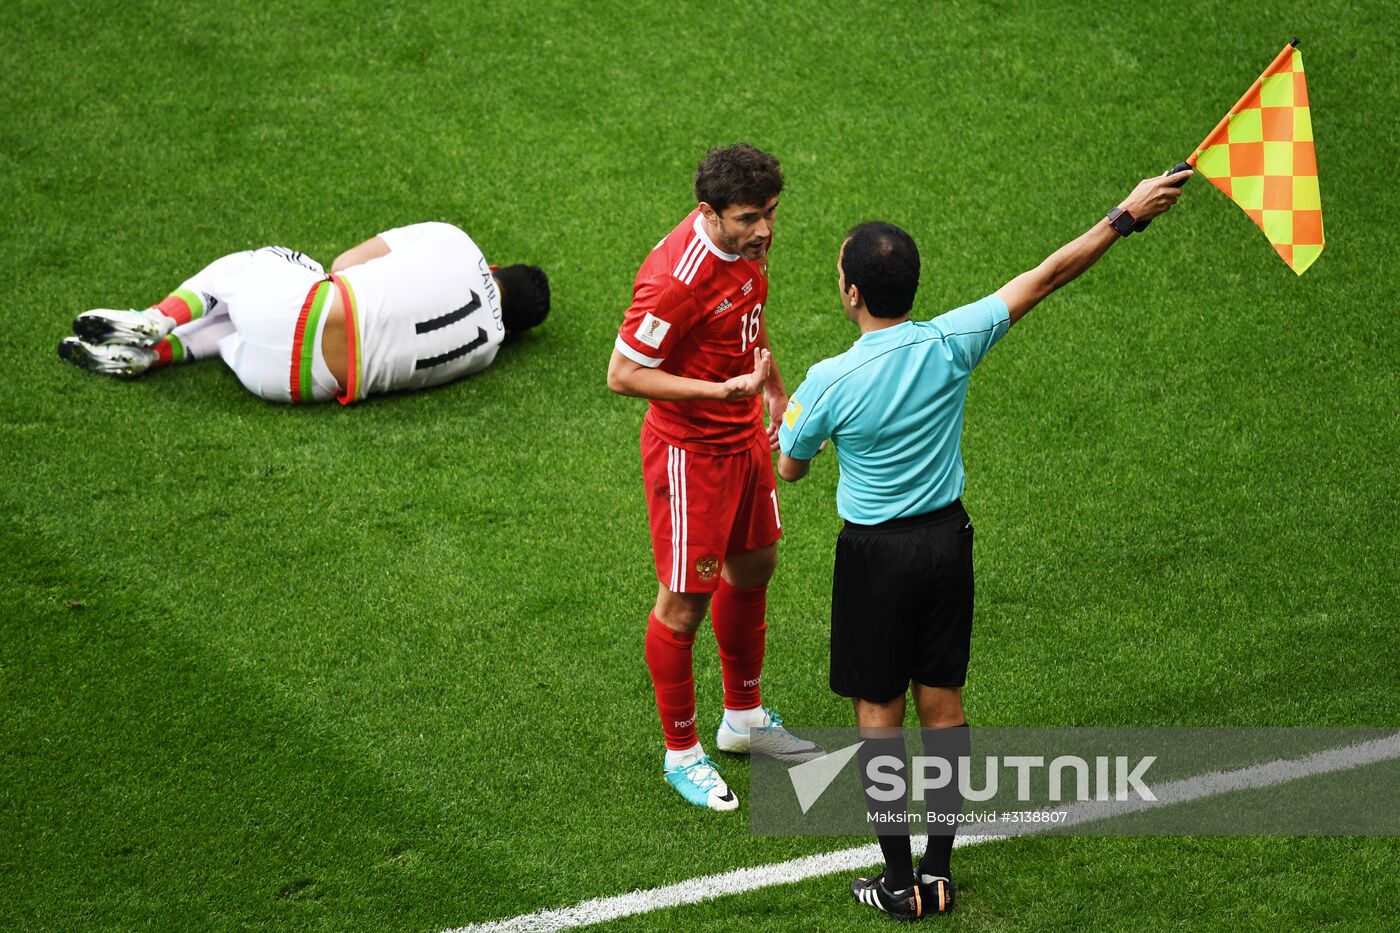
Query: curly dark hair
pixel 737 174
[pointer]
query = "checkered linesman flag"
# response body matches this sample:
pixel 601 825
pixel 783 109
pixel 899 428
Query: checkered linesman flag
pixel 1261 155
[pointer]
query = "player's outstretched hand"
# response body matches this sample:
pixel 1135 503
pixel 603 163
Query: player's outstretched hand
pixel 1154 195
pixel 752 384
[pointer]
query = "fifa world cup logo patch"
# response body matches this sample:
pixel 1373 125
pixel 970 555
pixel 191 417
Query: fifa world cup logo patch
pixel 706 568
pixel 794 411
pixel 652 330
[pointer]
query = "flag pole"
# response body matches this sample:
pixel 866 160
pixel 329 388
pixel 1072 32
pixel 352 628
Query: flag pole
pixel 1225 120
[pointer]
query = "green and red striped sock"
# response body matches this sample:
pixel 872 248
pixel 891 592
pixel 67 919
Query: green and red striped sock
pixel 182 306
pixel 170 350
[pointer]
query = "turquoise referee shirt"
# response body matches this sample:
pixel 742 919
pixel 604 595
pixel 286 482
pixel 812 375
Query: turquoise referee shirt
pixel 893 407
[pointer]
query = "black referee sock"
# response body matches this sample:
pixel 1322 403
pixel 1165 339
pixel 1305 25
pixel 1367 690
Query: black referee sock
pixel 951 744
pixel 890 816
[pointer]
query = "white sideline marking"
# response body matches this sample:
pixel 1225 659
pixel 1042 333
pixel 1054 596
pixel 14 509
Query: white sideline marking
pixel 738 881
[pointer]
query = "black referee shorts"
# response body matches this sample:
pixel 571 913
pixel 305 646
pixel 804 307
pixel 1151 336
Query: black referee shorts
pixel 901 604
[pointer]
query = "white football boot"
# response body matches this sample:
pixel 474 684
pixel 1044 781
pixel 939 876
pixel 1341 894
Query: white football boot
pixel 696 779
pixel 112 359
pixel 766 737
pixel 129 328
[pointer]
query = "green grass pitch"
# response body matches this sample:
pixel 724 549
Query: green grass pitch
pixel 381 668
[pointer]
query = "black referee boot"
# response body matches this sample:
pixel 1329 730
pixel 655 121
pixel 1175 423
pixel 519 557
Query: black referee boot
pixel 935 891
pixel 907 904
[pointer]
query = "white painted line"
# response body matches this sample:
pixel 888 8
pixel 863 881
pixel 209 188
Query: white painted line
pixel 1267 774
pixel 685 892
pixel 741 880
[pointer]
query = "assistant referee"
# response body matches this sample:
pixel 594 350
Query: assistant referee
pixel 901 601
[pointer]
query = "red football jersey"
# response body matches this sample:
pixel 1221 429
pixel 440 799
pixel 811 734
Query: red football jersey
pixel 697 312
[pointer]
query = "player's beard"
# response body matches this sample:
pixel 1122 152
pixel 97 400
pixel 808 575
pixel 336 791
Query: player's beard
pixel 753 252
pixel 728 243
pixel 750 249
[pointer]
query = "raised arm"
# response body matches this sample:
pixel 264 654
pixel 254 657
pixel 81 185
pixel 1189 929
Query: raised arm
pixel 1151 197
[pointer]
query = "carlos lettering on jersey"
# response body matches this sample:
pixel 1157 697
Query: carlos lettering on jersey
pixel 488 285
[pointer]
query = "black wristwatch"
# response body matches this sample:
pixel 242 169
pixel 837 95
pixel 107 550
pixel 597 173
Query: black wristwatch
pixel 1121 221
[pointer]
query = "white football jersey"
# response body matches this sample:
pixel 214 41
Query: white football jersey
pixel 428 312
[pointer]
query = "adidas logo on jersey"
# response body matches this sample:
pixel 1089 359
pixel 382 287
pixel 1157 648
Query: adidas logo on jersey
pixel 724 306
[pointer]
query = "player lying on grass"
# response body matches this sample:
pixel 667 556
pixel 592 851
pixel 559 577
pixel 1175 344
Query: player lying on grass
pixel 413 307
pixel 901 599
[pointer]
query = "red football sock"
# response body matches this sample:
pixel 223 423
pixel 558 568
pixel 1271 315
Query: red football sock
pixel 673 679
pixel 737 617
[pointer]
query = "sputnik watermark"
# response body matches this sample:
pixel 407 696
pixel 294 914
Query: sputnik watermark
pixel 1008 779
pixel 1116 777
pixel 811 778
pixel 887 783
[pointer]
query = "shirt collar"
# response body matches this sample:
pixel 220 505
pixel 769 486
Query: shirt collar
pixel 709 243
pixel 879 336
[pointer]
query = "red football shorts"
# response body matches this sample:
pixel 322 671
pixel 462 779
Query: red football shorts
pixel 704 507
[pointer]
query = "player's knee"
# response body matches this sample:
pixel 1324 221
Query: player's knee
pixel 939 707
pixel 879 719
pixel 682 612
pixel 750 570
pixel 685 620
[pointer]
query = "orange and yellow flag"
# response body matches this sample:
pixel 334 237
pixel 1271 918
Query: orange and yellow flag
pixel 1261 155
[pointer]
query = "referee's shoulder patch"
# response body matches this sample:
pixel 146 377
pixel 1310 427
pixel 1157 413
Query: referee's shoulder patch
pixel 794 411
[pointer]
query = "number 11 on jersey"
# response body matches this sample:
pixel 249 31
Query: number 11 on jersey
pixel 748 327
